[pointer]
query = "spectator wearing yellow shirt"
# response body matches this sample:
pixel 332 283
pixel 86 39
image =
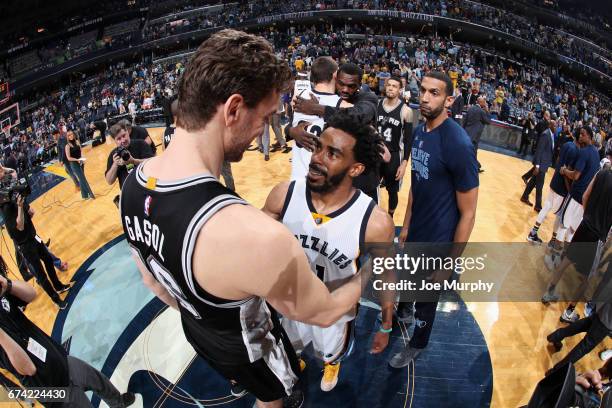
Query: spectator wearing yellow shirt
pixel 299 64
pixel 499 95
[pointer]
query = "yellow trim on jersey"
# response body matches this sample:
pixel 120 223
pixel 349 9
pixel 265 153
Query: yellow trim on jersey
pixel 320 219
pixel 151 183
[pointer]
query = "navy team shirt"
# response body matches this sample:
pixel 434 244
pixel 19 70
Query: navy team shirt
pixel 588 165
pixel 443 162
pixel 567 157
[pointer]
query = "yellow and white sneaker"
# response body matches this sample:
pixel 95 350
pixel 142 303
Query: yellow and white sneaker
pixel 330 376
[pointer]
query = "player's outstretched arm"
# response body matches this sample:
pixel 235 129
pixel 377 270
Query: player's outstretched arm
pixel 241 252
pixel 295 291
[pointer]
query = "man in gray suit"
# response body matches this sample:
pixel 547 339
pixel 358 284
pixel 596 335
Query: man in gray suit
pixel 476 118
pixel 542 160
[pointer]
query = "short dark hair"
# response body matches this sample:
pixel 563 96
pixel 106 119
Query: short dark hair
pixel 323 70
pixel 441 76
pixel 229 62
pixel 588 130
pixel 351 69
pixel 395 78
pixel 367 148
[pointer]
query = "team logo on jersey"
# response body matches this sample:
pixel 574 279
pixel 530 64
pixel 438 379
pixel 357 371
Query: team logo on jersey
pixel 147 205
pixel 6 305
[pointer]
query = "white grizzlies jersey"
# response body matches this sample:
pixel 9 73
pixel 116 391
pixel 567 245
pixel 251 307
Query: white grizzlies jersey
pixel 301 157
pixel 331 242
pixel 301 84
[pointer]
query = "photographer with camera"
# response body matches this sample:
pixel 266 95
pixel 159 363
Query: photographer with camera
pixel 18 220
pixel 138 133
pixel 125 157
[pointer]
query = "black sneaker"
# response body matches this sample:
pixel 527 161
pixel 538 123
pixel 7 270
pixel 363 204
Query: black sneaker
pixel 128 399
pixel 569 316
pixel 534 239
pixel 237 390
pixel 295 400
pixel 286 149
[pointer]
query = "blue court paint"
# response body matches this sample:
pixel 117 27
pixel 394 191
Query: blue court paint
pixel 110 310
pixel 42 182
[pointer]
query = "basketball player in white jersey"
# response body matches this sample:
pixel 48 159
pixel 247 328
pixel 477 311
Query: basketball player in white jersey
pixel 323 76
pixel 331 221
pixel 225 265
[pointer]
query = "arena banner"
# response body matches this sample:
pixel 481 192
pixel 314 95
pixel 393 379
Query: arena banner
pixel 406 15
pixel 85 24
pixel 285 17
pixel 358 14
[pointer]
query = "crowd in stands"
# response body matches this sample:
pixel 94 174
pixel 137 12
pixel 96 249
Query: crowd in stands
pixel 115 90
pixel 520 26
pixel 231 14
pixel 513 89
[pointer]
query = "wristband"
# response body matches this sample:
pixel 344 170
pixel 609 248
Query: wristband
pixel 386 331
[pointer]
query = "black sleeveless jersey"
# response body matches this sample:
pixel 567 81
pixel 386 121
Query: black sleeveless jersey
pixel 168 135
pixel 390 126
pixel 161 221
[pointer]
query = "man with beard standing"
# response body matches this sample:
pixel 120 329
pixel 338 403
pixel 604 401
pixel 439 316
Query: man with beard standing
pixel 334 221
pixel 443 195
pixel 363 111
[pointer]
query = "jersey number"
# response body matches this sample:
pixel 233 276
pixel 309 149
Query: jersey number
pixel 386 134
pixel 320 272
pixel 167 281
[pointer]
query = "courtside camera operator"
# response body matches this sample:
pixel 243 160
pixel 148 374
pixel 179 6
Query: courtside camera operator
pixel 125 157
pixel 18 220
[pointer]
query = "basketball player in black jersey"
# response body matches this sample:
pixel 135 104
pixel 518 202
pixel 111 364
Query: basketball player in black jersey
pixel 394 121
pixel 226 266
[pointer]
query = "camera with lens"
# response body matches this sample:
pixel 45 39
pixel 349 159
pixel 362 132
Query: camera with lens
pixel 10 188
pixel 123 153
